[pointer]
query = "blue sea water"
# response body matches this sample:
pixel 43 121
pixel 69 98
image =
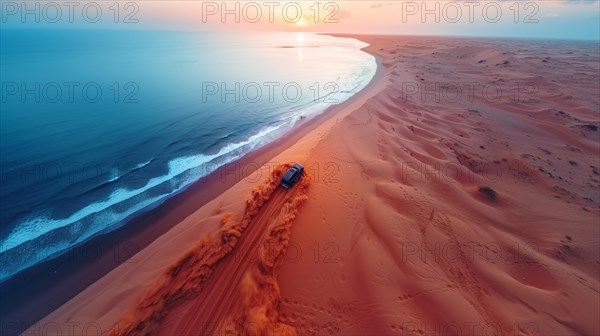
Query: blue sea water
pixel 98 125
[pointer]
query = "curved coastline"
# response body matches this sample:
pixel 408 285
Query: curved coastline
pixel 42 238
pixel 55 280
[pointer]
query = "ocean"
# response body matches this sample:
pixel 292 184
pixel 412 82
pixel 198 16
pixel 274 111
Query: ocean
pixel 97 126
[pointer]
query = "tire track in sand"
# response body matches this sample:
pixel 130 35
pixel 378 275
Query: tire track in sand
pixel 211 306
pixel 198 291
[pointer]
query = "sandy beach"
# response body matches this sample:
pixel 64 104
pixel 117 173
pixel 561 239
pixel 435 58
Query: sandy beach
pixel 458 194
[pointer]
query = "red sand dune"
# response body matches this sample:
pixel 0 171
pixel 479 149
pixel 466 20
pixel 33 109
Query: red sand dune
pixel 192 274
pixel 258 312
pixel 425 216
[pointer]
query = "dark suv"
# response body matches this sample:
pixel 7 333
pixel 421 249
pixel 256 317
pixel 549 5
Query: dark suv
pixel 292 176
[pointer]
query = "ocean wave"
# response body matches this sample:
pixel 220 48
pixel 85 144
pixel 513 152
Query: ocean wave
pixel 38 226
pixel 115 174
pixel 102 216
pixel 41 236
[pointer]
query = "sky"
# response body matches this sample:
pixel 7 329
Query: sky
pixel 562 19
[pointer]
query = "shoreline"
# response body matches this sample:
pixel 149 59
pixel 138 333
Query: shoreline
pixel 390 242
pixel 52 283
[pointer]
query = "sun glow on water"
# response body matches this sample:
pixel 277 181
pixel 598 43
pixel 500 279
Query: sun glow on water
pixel 299 39
pixel 299 45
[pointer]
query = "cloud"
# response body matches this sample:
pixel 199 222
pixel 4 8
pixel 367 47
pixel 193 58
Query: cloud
pixel 381 4
pixel 343 14
pixel 580 2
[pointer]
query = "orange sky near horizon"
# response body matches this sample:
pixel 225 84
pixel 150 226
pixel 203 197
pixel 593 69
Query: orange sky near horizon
pixel 548 18
pixel 445 17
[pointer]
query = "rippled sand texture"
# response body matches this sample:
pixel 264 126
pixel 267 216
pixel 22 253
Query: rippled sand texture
pixel 449 216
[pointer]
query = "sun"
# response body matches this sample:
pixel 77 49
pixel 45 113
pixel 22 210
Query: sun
pixel 301 22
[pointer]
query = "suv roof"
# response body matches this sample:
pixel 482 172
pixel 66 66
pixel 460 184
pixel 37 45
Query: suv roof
pixel 292 176
pixel 290 173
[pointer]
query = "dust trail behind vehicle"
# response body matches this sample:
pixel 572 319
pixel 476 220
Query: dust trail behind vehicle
pixel 201 286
